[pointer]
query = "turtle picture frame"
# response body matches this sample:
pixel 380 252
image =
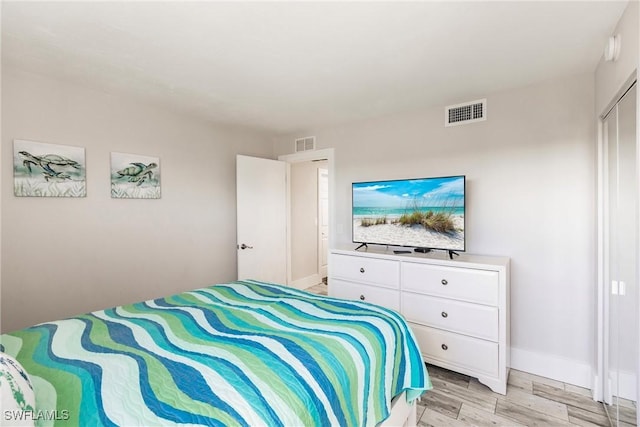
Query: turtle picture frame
pixel 42 169
pixel 135 176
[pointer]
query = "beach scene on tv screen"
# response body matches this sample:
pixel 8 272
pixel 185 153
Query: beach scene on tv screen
pixel 423 213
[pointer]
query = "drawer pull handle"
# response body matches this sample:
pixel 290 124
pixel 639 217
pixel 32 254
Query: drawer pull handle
pixel 444 281
pixel 444 314
pixel 444 347
pixel 362 297
pixel 361 270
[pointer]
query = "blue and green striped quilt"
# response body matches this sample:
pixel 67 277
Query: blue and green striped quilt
pixel 243 353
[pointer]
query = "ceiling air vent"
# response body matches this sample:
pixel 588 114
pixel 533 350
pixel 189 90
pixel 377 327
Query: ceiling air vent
pixel 305 144
pixel 469 112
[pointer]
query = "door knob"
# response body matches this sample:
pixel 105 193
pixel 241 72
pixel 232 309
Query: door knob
pixel 243 246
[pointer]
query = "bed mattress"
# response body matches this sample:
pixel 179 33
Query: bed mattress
pixel 243 353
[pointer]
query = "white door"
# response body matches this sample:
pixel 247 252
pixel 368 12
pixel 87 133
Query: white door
pixel 261 219
pixel 621 251
pixel 323 220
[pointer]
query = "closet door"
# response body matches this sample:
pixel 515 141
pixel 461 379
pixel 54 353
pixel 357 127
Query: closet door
pixel 611 264
pixel 621 358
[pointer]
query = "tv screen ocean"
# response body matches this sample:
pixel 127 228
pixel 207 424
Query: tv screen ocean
pixel 421 213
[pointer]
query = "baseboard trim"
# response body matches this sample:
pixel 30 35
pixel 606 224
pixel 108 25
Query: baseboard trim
pixel 557 368
pixel 306 282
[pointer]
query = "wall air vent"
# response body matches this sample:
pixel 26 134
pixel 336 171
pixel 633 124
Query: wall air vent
pixel 469 112
pixel 305 144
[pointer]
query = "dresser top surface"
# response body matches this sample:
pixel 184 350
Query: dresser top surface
pixel 435 257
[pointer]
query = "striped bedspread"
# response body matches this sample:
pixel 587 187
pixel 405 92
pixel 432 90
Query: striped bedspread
pixel 243 353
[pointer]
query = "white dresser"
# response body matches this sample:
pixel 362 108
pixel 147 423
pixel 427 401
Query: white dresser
pixel 458 309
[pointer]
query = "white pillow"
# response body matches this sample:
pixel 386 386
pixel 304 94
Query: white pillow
pixel 18 399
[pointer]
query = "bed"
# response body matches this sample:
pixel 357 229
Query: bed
pixel 243 353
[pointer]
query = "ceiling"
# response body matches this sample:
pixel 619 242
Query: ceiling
pixel 283 67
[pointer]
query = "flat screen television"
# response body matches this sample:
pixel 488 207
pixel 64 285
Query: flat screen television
pixel 425 213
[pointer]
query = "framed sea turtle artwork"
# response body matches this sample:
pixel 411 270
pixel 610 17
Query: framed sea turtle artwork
pixel 135 176
pixel 48 170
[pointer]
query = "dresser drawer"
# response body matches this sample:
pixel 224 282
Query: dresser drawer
pixel 453 349
pixel 381 272
pixel 466 284
pixel 373 294
pixel 477 320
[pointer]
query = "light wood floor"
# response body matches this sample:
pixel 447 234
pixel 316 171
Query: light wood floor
pixel 458 400
pixel 320 288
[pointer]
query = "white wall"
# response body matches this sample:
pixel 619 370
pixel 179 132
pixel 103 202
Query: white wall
pixel 63 257
pixel 530 172
pixel 1 186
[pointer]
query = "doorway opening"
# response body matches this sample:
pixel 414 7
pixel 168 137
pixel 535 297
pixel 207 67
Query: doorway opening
pixel 309 218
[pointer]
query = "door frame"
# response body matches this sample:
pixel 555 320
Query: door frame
pixel 306 156
pixel 319 224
